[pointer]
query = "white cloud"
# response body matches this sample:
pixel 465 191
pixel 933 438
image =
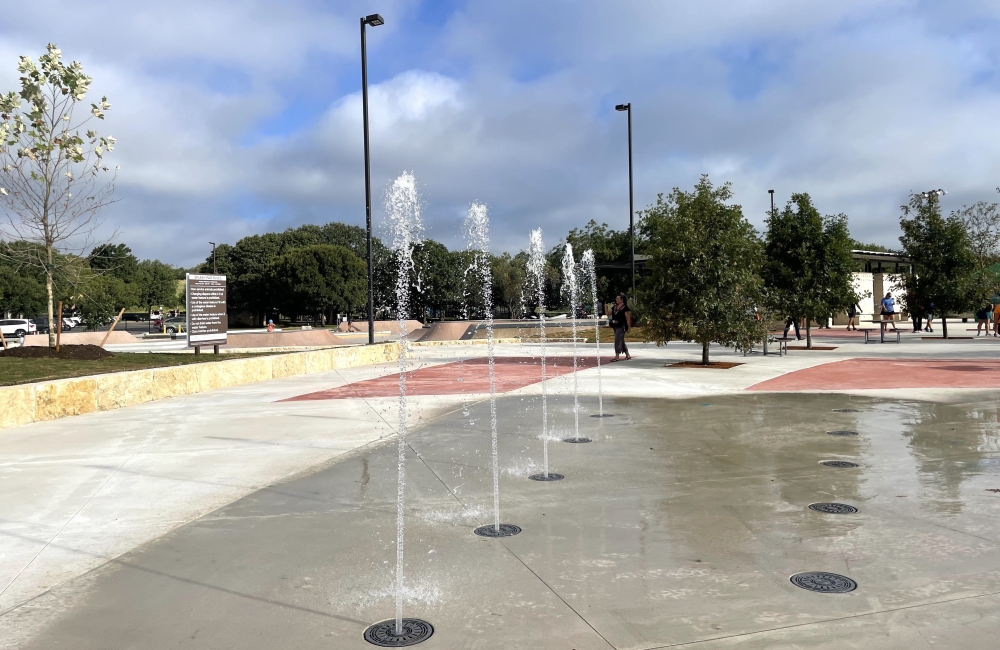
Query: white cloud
pixel 854 102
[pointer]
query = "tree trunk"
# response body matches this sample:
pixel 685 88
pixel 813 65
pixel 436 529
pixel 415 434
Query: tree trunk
pixel 944 324
pixel 48 291
pixel 704 353
pixel 809 338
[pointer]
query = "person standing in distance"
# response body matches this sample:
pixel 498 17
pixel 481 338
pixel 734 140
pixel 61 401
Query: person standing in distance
pixel 888 311
pixel 620 318
pixel 852 316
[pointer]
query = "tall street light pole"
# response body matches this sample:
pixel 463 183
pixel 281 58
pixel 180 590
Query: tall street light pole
pixel 631 210
pixel 771 192
pixel 374 20
pixel 214 270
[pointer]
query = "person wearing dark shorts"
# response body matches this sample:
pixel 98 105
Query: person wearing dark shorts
pixel 983 320
pixel 852 315
pixel 621 322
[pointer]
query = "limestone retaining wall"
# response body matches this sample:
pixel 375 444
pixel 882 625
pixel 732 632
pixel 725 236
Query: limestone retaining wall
pixel 49 400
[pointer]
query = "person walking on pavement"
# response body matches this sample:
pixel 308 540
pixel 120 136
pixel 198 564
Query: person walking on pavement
pixel 930 319
pixel 620 317
pixel 788 324
pixel 270 325
pixel 852 315
pixel 983 319
pixel 996 318
pixel 888 311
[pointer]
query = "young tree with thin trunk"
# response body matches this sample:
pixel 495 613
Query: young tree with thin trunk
pixel 53 177
pixel 809 268
pixel 703 281
pixel 947 273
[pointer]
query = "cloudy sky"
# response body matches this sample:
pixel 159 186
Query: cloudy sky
pixel 243 117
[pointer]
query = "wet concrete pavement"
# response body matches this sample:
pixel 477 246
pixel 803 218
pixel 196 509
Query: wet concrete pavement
pixel 680 524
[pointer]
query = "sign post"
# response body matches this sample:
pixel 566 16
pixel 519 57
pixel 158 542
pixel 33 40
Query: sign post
pixel 207 323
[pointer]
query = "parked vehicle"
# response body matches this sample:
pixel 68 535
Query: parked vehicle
pixel 134 317
pixel 41 324
pixel 175 324
pixel 18 327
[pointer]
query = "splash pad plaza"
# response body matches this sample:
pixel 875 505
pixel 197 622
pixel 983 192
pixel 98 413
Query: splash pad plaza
pixel 523 495
pixel 265 516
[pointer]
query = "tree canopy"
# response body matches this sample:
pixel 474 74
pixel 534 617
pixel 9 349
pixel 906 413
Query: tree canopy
pixel 703 280
pixel 947 275
pixel 317 279
pixel 808 263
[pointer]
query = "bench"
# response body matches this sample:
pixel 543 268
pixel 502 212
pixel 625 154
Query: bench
pixel 882 333
pixel 782 342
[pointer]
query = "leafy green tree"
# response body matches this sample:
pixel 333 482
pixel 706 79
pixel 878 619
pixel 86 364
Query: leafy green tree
pixel 116 259
pixel 318 279
pixel 808 269
pixel 947 274
pixel 509 275
pixel 702 283
pixel 155 284
pixel 982 223
pixel 610 247
pixel 52 176
pixel 438 281
pixel 103 297
pixel 20 293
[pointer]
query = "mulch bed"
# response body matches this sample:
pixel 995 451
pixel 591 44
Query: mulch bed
pixel 75 352
pixel 815 347
pixel 718 365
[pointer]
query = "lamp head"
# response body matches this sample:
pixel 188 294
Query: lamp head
pixel 770 191
pixel 623 107
pixel 374 20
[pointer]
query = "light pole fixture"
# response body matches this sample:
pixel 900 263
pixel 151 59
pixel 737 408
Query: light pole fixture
pixel 631 225
pixel 928 194
pixel 213 257
pixel 771 192
pixel 374 20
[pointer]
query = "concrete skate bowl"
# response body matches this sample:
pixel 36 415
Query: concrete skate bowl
pixel 303 339
pixel 443 331
pixel 381 326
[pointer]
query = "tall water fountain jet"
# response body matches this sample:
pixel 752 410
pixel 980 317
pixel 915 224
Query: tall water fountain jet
pixel 402 206
pixel 536 284
pixel 571 289
pixel 588 267
pixel 477 228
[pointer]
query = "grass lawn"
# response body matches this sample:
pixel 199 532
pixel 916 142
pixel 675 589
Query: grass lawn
pixel 24 371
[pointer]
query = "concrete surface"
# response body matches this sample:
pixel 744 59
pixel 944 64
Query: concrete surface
pixel 234 519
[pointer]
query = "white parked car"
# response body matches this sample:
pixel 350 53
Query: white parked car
pixel 17 327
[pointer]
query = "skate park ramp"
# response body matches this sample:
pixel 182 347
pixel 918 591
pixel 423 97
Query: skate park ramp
pixel 302 338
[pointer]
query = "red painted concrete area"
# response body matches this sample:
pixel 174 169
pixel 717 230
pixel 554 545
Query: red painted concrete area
pixel 889 373
pixel 458 377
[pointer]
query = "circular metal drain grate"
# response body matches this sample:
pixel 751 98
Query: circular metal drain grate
pixel 833 508
pixel 576 440
pixel 846 410
pixel 823 582
pixel 384 633
pixel 552 476
pixel 506 530
pixel 842 432
pixel 838 463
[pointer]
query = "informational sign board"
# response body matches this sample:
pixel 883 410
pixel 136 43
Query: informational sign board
pixel 207 323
